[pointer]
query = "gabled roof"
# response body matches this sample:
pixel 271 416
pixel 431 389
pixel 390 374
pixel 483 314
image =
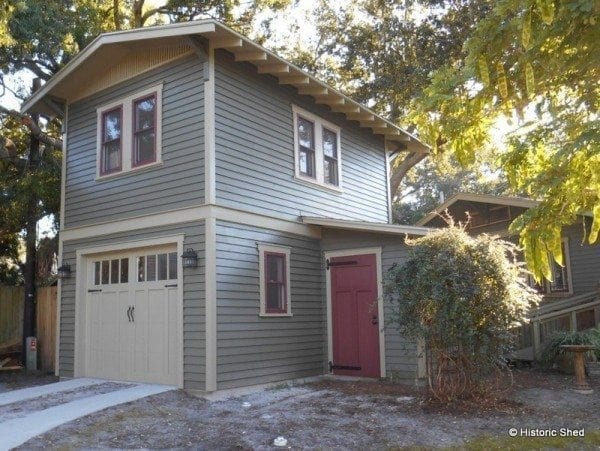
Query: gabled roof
pixel 102 51
pixel 364 226
pixel 480 198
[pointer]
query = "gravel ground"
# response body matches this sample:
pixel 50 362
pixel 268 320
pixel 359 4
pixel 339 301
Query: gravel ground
pixel 328 415
pixel 21 379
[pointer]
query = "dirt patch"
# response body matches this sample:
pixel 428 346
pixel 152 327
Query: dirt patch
pixel 23 379
pixel 326 415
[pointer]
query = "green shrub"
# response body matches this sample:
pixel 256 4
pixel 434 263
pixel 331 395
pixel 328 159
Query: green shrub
pixel 461 296
pixel 553 348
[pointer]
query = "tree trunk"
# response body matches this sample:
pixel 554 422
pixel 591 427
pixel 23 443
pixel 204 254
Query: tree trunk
pixel 400 170
pixel 30 240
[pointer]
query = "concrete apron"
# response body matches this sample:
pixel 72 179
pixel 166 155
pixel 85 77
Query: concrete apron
pixel 17 431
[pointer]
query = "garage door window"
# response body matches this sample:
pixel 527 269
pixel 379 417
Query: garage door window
pixel 157 267
pixel 110 272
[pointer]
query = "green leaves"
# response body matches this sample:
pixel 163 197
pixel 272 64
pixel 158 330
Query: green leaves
pixel 546 10
pixel 461 295
pixel 546 78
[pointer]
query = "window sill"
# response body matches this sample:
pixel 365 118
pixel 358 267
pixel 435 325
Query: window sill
pixel 558 295
pixel 314 184
pixel 149 166
pixel 275 315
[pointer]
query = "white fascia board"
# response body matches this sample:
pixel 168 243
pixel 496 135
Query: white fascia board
pixel 363 226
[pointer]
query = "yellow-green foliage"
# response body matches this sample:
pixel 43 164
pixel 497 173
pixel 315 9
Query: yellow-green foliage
pixel 547 67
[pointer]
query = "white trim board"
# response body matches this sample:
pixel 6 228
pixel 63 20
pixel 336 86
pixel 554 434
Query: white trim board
pixel 210 303
pixel 380 310
pixel 184 215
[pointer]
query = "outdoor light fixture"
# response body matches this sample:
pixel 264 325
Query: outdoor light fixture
pixel 190 258
pixel 64 271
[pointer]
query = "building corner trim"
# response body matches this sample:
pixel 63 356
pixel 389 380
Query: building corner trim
pixel 210 299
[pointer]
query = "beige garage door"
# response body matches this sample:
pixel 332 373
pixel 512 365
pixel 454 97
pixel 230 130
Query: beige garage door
pixel 132 316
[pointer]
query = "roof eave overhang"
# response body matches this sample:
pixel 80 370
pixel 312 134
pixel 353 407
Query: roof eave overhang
pixel 244 50
pixel 482 198
pixel 368 227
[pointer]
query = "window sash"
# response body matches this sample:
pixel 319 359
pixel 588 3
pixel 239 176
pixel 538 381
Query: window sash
pixel 317 150
pixel 279 282
pixel 106 144
pixel 139 133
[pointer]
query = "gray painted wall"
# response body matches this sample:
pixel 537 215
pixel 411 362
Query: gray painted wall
pixel 256 350
pixel 177 183
pixel 193 299
pixel 255 152
pixel 585 259
pixel 400 353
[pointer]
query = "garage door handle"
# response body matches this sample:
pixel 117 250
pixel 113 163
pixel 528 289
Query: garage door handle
pixel 94 291
pixel 173 285
pixel 129 313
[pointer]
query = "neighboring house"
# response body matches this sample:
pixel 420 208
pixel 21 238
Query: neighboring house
pixel 189 139
pixel 571 301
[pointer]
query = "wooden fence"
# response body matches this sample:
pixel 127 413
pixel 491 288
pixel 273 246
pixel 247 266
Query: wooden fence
pixel 11 321
pixel 11 315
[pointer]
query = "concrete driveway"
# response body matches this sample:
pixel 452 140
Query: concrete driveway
pixel 29 412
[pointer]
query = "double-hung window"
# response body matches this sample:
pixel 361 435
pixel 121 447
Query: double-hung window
pixel 144 130
pixel 129 133
pixel 111 141
pixel 274 275
pixel 317 150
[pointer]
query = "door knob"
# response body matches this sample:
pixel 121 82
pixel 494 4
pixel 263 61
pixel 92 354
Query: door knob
pixel 374 320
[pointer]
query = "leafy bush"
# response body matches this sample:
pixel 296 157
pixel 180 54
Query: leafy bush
pixel 460 295
pixel 553 348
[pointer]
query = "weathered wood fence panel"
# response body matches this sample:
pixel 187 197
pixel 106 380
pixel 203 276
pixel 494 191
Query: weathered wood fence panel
pixel 46 327
pixel 11 315
pixel 11 321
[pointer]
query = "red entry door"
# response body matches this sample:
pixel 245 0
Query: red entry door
pixel 355 319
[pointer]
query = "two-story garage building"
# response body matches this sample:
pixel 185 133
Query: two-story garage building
pixel 191 140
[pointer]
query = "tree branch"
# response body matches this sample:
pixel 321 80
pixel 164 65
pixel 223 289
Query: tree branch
pixel 33 128
pixel 399 172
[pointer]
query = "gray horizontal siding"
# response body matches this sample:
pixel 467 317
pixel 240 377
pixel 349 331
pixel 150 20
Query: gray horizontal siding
pixel 585 259
pixel 255 152
pixel 193 299
pixel 400 352
pixel 254 350
pixel 177 183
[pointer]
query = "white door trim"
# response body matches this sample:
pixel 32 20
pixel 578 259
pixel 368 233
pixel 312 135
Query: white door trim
pixel 81 315
pixel 380 310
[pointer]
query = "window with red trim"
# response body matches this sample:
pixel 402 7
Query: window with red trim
pixel 275 283
pixel 144 130
pixel 274 277
pixel 111 150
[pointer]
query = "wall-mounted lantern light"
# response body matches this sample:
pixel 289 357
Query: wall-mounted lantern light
pixel 190 258
pixel 64 271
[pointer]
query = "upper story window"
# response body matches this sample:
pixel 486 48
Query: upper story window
pixel 111 150
pixel 129 133
pixel 561 276
pixel 144 130
pixel 317 150
pixel 274 274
